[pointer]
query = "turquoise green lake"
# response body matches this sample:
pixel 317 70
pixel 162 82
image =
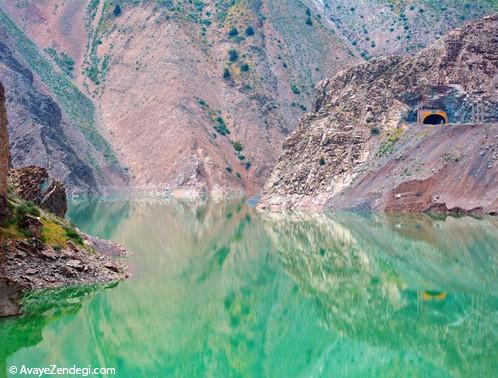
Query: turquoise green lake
pixel 218 290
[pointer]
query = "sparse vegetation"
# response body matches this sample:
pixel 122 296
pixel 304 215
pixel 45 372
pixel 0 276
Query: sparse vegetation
pixel 221 126
pixel 64 61
pixel 72 234
pixel 92 8
pixel 387 147
pixel 219 123
pixel 375 131
pixel 237 146
pixel 233 55
pixel 117 10
pixel 27 208
pixel 54 231
pixel 300 106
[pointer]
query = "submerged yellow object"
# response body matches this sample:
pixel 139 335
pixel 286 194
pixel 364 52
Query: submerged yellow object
pixel 430 295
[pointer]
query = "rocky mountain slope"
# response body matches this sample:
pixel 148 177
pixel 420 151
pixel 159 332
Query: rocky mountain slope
pixel 210 89
pixel 51 123
pixel 196 97
pixel 360 149
pixel 231 86
pixel 383 27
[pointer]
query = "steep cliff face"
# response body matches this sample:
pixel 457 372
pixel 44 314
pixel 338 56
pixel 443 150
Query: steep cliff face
pixel 51 123
pixel 359 145
pixel 4 155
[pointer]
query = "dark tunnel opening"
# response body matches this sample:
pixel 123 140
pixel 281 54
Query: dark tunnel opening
pixel 434 119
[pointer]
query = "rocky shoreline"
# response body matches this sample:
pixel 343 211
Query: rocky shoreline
pixel 29 264
pixel 39 249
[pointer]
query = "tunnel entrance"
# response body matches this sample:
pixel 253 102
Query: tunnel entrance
pixel 434 119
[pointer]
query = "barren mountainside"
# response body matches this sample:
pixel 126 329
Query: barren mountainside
pixel 361 148
pixel 197 97
pixel 51 123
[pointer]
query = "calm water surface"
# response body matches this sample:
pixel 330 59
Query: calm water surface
pixel 220 291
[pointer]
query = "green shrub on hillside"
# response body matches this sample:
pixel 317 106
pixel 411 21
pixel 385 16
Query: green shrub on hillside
pixel 64 61
pixel 73 235
pixel 27 208
pixel 221 126
pixel 375 131
pixel 117 10
pixel 233 55
pixel 237 146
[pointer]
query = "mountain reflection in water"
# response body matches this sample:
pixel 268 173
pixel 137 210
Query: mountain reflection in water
pixel 219 290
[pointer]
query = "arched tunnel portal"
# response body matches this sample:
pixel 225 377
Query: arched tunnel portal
pixel 433 117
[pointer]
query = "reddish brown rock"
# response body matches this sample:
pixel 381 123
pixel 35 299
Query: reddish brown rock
pixel 10 296
pixel 31 224
pixel 34 184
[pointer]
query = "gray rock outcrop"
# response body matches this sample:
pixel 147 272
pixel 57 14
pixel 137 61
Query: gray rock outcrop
pixel 348 153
